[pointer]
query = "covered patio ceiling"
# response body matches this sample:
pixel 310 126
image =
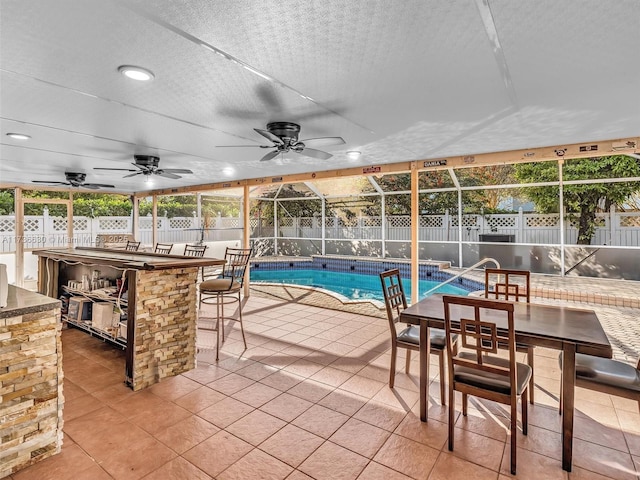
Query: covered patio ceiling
pixel 400 81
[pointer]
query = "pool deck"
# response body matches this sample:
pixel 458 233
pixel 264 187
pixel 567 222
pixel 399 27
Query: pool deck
pixel 616 302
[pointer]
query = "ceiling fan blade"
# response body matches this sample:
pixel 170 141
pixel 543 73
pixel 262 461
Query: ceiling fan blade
pixel 270 155
pixel 319 154
pixel 265 133
pixel 164 173
pixel 50 183
pixel 97 185
pixel 90 186
pixel 323 141
pixel 121 169
pixel 233 146
pixel 176 170
pixel 133 174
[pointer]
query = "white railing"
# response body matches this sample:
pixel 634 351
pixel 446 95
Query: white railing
pixel 458 275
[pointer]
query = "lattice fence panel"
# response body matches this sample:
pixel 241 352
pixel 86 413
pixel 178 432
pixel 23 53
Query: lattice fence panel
pixel 7 225
pixel 180 223
pixel 372 221
pixel 80 223
pixel 432 221
pixel 286 222
pixel 107 224
pixel 574 222
pixel 542 221
pixel 32 224
pixel 467 221
pixel 630 221
pixel 347 222
pixel 399 221
pixel 306 222
pixel 501 222
pixel 229 222
pixel 59 224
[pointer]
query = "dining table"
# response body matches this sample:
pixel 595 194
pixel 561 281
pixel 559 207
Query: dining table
pixel 568 329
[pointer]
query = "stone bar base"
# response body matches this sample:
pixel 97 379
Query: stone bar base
pixel 31 399
pixel 165 324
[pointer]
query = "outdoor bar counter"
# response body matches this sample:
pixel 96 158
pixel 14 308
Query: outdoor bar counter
pixel 31 398
pixel 160 304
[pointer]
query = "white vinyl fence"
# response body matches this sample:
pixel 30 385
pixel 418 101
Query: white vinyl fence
pixel 613 228
pixel 46 231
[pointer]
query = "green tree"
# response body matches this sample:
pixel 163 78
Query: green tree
pixel 6 202
pixel 582 201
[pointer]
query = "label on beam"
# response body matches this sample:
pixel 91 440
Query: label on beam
pixel 370 170
pixel 276 179
pixel 435 163
pixel 588 148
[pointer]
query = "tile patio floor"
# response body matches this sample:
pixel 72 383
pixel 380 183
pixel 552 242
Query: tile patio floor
pixel 309 400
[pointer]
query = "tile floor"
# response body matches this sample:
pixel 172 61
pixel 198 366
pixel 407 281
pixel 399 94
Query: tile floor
pixel 309 400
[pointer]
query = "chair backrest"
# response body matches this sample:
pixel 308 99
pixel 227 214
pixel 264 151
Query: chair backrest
pixel 507 284
pixel 194 250
pixel 236 262
pixel 462 316
pixel 164 248
pixel 132 246
pixel 395 300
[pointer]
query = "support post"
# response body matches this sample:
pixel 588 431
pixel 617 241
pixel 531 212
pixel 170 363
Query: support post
pixel 70 241
pixel 19 210
pixel 246 234
pixel 136 217
pixel 415 223
pixel 154 220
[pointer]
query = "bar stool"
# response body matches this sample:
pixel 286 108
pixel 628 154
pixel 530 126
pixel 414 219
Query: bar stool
pixel 224 289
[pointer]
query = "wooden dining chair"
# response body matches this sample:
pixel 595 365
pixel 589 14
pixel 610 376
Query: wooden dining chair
pixel 164 248
pixel 194 250
pixel 224 289
pixel 606 375
pixel 512 285
pixel 409 337
pixel 132 246
pixel 479 372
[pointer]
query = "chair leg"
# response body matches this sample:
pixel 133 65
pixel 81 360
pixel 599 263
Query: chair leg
pixel 531 383
pixel 525 412
pixel 392 368
pixel 465 402
pixel 514 429
pixel 240 316
pixel 217 337
pixel 443 400
pixel 452 405
pixel 406 368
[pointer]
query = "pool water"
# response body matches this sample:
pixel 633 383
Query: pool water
pixel 355 286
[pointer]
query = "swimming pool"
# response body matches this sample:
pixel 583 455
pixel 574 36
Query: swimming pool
pixel 354 286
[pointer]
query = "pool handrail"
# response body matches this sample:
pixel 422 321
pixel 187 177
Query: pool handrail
pixel 458 275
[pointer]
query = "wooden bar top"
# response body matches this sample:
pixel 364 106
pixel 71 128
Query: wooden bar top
pixel 125 259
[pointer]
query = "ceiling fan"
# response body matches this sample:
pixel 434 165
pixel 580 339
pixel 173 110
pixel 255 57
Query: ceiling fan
pixel 284 136
pixel 148 165
pixel 76 179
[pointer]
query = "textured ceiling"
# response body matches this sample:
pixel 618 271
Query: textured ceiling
pixel 397 79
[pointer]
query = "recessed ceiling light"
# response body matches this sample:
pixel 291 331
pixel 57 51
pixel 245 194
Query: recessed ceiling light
pixel 19 136
pixel 353 154
pixel 228 171
pixel 136 73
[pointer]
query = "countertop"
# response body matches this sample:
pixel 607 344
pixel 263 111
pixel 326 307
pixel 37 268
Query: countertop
pixel 21 302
